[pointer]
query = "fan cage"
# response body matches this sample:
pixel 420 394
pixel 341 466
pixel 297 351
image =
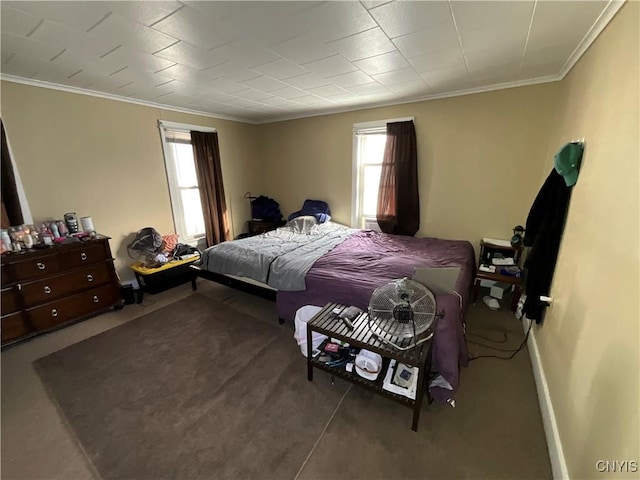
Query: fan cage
pixel 389 306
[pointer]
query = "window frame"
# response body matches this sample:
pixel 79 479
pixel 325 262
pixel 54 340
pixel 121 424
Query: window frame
pixel 358 220
pixel 177 209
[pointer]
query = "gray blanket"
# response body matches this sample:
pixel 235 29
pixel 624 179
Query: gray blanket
pixel 280 258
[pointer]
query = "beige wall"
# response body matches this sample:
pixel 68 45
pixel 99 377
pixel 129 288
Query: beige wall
pixel 104 158
pixel 590 339
pixel 479 159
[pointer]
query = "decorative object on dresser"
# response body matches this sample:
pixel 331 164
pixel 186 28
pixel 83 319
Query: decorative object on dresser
pixel 45 288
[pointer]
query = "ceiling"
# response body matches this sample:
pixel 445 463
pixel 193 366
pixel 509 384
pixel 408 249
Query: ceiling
pixel 266 61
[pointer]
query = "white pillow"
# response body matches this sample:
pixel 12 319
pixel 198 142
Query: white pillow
pixel 302 224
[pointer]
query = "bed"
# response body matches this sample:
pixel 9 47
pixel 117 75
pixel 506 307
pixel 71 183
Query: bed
pixel 343 265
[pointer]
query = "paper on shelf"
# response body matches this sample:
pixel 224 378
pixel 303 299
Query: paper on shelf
pixel 496 241
pixel 406 392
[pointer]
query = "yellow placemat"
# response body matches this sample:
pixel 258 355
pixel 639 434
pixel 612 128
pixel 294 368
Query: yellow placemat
pixel 144 270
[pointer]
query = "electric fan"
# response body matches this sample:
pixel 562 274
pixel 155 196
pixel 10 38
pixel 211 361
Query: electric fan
pixel 402 310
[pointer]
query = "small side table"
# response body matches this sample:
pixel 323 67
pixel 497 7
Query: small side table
pixel 488 251
pixel 497 277
pixel 360 336
pixel 256 227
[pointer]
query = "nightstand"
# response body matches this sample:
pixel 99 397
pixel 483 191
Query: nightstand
pixel 256 227
pixel 488 252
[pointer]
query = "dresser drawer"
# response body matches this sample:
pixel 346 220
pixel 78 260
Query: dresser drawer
pixel 83 255
pixel 9 300
pixel 14 326
pixel 5 274
pixel 35 267
pixel 69 308
pixel 56 287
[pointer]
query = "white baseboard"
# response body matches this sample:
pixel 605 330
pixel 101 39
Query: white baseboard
pixel 554 444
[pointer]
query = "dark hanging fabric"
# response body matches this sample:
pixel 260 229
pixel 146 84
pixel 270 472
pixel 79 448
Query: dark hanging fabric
pixel 10 200
pixel 398 210
pixel 544 228
pixel 209 171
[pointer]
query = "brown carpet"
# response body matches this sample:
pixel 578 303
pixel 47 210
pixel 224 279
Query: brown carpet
pixel 200 390
pixel 194 390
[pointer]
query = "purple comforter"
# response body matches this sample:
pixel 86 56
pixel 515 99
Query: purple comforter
pixel 350 273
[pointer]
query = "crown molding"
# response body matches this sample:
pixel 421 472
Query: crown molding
pixel 424 98
pixel 596 29
pixel 117 98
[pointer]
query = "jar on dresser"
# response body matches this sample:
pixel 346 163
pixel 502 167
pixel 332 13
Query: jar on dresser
pixel 48 288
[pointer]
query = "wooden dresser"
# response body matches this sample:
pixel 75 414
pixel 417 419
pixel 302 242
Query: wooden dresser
pixel 45 288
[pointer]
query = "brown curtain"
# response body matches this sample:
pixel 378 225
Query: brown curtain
pixel 398 209
pixel 209 171
pixel 11 210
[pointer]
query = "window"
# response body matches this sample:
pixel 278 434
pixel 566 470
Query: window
pixel 369 141
pixel 183 181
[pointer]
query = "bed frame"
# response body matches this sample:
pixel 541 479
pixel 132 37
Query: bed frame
pixel 258 291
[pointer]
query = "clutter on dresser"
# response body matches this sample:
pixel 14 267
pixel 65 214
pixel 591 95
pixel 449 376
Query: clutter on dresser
pixel 19 238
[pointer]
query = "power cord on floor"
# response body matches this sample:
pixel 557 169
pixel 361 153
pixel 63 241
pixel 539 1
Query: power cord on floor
pixel 513 354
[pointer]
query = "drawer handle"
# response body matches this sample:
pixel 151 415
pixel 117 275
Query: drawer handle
pixel 83 256
pixel 47 289
pixel 89 278
pixel 41 266
pixel 54 312
pixel 95 299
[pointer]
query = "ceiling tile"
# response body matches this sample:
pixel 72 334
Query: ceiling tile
pixel 185 73
pixel 397 76
pixel 253 94
pixel 269 22
pixel 438 60
pixel 280 69
pixel 436 37
pixel 495 57
pixel 65 37
pixel 402 18
pixel 226 86
pixel 563 22
pixel 369 4
pixel 217 11
pixel 265 84
pixel 303 48
pixel 456 77
pixel 135 34
pixel 17 22
pixel 232 71
pixel 28 47
pixel 289 93
pixel 308 80
pixel 382 63
pixel 556 54
pixel 330 66
pixel 363 45
pixel 369 89
pixel 334 20
pixel 77 15
pixel 351 79
pixel 245 52
pixel 327 91
pixel 187 54
pixel 490 15
pixel 496 72
pixel 498 38
pixel 412 88
pixel 145 12
pixel 189 25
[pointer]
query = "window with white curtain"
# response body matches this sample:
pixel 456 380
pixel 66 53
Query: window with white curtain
pixel 183 181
